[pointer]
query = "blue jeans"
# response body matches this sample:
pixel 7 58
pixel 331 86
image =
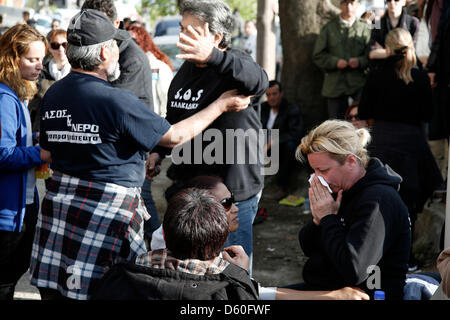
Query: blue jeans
pixel 244 234
pixel 153 223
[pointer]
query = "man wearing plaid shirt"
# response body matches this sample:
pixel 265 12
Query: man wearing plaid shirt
pixel 98 137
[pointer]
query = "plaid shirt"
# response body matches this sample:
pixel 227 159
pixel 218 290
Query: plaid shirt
pixel 161 259
pixel 84 228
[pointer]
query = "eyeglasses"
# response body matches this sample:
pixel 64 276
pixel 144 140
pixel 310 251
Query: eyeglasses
pixel 56 45
pixel 353 116
pixel 227 202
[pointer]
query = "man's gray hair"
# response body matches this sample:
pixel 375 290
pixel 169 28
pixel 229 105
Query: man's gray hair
pixel 216 13
pixel 86 57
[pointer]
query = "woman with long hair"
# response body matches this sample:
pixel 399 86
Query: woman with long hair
pixel 162 69
pixel 397 96
pixel 23 50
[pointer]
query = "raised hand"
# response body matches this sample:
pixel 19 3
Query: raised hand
pixel 196 45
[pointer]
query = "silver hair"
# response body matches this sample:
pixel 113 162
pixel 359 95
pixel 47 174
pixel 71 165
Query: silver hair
pixel 86 57
pixel 216 13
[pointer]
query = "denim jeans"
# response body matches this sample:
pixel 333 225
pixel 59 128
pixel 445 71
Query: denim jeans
pixel 153 223
pixel 244 234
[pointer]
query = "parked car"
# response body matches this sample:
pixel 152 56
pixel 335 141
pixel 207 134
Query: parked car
pixel 167 26
pixel 168 45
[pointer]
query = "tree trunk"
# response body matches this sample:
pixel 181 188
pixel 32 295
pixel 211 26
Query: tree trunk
pixel 266 39
pixel 300 22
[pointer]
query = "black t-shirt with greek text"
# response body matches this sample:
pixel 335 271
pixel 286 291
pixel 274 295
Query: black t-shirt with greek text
pixel 96 132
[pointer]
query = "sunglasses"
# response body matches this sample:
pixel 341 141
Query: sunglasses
pixel 56 45
pixel 391 0
pixel 227 202
pixel 353 116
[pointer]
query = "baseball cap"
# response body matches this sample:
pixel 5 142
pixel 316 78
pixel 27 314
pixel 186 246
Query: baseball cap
pixel 90 27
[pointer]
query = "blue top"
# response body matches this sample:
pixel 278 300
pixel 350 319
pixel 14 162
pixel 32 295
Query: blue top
pixel 97 132
pixel 15 160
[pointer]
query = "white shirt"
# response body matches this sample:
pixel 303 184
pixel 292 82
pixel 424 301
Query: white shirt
pixel 162 76
pixel 348 24
pixel 272 118
pixel 55 72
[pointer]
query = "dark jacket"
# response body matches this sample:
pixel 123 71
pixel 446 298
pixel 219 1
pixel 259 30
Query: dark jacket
pixel 371 228
pixel 128 281
pixel 439 63
pixel 135 72
pixel 387 97
pixel 289 120
pixel 193 89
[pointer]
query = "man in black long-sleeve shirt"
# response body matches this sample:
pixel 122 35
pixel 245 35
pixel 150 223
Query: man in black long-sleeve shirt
pixel 210 69
pixel 279 114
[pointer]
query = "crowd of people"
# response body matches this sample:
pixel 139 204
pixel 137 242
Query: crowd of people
pixel 100 105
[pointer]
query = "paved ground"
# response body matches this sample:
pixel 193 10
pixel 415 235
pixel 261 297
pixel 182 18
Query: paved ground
pixel 278 259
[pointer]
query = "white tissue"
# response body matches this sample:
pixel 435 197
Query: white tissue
pixel 322 181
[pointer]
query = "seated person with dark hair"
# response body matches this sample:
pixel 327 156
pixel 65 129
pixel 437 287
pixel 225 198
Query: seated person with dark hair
pixel 192 267
pixel 278 113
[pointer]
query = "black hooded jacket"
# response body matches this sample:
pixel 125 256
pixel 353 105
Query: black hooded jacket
pixel 370 230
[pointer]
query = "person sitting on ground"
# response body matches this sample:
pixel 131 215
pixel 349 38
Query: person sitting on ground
pixel 362 226
pixel 196 226
pixel 192 267
pixel 216 186
pixel 278 113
